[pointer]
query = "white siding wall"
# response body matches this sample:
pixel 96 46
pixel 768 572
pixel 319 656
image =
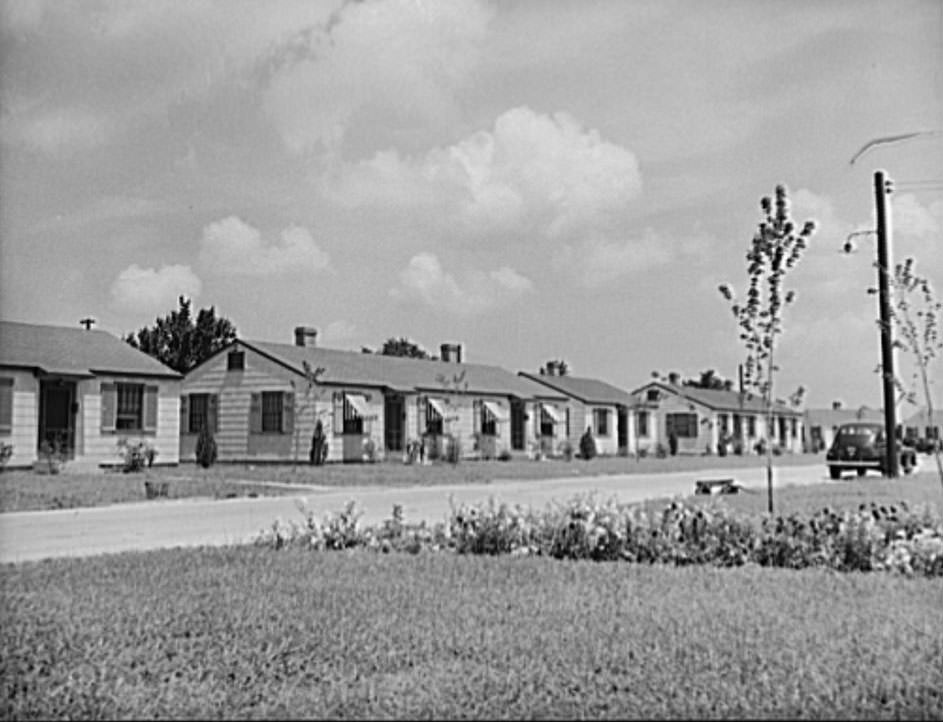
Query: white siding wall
pixel 102 447
pixel 25 423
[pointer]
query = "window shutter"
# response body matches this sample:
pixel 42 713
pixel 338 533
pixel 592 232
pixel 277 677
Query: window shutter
pixel 6 406
pixel 109 394
pixel 184 414
pixel 338 402
pixel 255 414
pixel 476 417
pixel 288 412
pixel 150 408
pixel 421 415
pixel 212 412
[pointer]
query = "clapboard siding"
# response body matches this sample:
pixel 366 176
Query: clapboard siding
pixel 102 446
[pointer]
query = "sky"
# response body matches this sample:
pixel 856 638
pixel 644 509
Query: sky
pixel 533 179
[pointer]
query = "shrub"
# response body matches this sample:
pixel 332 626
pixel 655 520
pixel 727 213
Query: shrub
pixel 587 444
pixel 6 452
pixel 205 447
pixel 369 450
pixel 504 455
pixel 661 452
pixel 318 453
pixel 135 455
pixel 566 450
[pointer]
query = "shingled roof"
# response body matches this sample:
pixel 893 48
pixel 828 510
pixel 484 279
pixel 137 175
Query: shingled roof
pixel 399 373
pixel 73 352
pixel 717 399
pixel 587 390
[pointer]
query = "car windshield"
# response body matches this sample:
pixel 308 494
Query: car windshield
pixel 860 434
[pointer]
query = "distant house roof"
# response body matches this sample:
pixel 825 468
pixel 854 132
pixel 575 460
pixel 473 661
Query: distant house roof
pixel 830 418
pixel 716 399
pixel 399 373
pixel 73 351
pixel 589 391
pixel 921 418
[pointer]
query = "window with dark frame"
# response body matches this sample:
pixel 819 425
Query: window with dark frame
pixel 722 423
pixel 129 414
pixel 236 361
pixel 489 424
pixel 601 421
pixel 272 411
pixel 199 412
pixel 751 426
pixel 546 423
pixel 682 425
pixel 434 421
pixel 353 421
pixel 643 423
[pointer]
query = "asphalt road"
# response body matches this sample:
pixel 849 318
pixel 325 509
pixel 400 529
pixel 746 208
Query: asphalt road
pixel 34 535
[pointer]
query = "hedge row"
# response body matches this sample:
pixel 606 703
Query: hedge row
pixel 873 538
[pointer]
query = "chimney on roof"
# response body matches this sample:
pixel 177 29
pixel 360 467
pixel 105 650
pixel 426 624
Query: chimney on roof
pixel 836 405
pixel 674 378
pixel 88 322
pixel 451 352
pixel 728 384
pixel 306 336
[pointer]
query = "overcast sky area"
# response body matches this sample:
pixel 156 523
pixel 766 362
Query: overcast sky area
pixel 533 179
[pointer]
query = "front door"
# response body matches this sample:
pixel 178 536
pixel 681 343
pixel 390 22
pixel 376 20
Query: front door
pixel 622 430
pixel 56 416
pixel 394 422
pixel 517 425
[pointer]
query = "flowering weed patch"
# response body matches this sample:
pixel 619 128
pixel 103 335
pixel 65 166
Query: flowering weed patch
pixel 681 532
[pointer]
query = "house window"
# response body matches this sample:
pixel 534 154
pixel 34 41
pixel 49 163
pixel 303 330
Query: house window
pixel 199 412
pixel 682 425
pixel 722 422
pixel 601 421
pixel 435 422
pixel 130 409
pixel 737 425
pixel 795 428
pixel 933 432
pixel 751 426
pixel 6 405
pixel 489 424
pixel 272 411
pixel 652 395
pixel 546 423
pixel 643 423
pixel 236 361
pixel 568 422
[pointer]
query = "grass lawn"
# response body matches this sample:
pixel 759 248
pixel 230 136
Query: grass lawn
pixel 26 490
pixel 254 633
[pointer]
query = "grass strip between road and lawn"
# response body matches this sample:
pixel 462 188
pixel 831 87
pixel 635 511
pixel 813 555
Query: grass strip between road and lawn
pixel 22 490
pixel 252 632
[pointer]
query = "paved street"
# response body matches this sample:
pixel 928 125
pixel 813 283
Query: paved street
pixel 159 524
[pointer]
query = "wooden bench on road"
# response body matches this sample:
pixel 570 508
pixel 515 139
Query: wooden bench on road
pixel 723 486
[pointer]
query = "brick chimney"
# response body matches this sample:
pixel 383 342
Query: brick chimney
pixel 306 336
pixel 674 378
pixel 451 352
pixel 836 405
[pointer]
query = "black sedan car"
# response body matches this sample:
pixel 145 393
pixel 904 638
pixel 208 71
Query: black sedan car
pixel 859 446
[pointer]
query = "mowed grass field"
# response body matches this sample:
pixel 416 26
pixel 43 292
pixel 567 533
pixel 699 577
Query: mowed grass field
pixel 27 490
pixel 254 633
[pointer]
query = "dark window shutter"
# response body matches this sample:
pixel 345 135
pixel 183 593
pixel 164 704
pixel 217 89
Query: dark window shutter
pixel 150 408
pixel 338 413
pixel 184 414
pixel 288 412
pixel 109 394
pixel 212 411
pixel 6 406
pixel 420 416
pixel 476 417
pixel 255 414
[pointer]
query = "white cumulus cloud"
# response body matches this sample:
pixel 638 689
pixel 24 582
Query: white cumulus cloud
pixel 232 246
pixel 597 262
pixel 153 290
pixel 530 173
pixel 424 280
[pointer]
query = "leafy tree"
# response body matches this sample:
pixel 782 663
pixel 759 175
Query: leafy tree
pixel 403 347
pixel 916 313
pixel 206 447
pixel 557 367
pixel 708 380
pixel 179 341
pixel 775 249
pixel 587 444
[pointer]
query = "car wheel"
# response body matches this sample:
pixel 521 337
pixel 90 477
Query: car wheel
pixel 862 472
pixel 834 472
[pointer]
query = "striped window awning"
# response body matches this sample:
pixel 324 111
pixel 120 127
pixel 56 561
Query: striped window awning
pixel 551 412
pixel 355 405
pixel 496 412
pixel 437 406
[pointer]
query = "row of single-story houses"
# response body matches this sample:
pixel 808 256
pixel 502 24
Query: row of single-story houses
pixel 82 391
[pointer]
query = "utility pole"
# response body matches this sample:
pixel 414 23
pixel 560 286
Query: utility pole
pixel 881 191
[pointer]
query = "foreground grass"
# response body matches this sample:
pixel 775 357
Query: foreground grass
pixel 27 491
pixel 249 632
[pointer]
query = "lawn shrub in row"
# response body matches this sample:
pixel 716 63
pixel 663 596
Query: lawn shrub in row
pixel 894 538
